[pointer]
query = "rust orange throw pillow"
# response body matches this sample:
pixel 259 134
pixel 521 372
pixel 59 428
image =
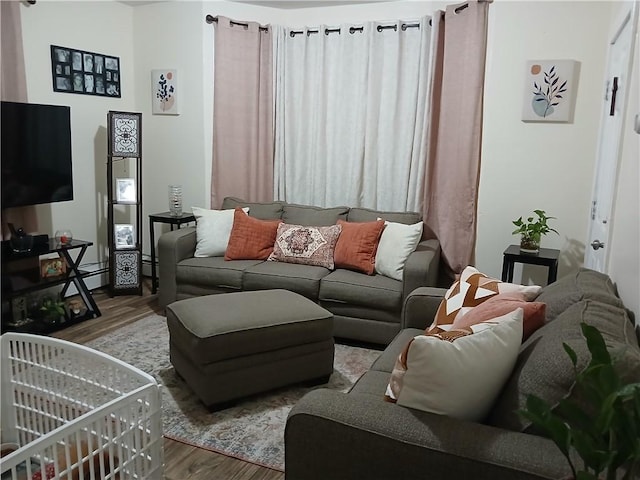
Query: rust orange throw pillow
pixel 534 312
pixel 251 239
pixel 357 245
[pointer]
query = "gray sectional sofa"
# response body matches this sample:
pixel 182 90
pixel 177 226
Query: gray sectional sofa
pixel 365 307
pixel 330 434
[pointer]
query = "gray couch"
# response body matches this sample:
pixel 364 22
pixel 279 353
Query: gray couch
pixel 365 308
pixel 358 435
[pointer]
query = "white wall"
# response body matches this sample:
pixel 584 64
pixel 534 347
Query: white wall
pixel 624 260
pixel 527 166
pixel 102 27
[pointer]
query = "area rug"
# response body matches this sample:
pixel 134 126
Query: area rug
pixel 253 429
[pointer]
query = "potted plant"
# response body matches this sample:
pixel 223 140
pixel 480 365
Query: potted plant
pixel 604 428
pixel 52 310
pixel 532 230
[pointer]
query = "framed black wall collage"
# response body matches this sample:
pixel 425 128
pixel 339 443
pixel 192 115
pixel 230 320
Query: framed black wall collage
pixel 85 73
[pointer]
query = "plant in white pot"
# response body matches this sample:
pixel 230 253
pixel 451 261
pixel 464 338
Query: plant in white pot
pixel 532 230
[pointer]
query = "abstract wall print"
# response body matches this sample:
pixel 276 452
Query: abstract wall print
pixel 550 90
pixel 164 92
pixel 85 73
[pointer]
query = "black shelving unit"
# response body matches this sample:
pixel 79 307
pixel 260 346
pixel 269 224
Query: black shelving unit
pixel 25 279
pixel 125 240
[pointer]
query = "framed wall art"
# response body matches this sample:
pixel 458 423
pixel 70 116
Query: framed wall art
pixel 85 73
pixel 550 90
pixel 164 94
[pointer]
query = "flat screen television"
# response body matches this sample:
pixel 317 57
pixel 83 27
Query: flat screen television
pixel 35 154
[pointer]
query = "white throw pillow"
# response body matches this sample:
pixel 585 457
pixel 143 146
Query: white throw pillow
pixel 459 377
pixel 213 229
pixel 397 242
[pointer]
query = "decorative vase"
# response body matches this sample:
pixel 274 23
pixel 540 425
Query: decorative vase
pixel 530 244
pixel 175 200
pixel 64 237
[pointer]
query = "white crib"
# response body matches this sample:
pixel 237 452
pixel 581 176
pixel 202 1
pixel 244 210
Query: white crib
pixel 76 413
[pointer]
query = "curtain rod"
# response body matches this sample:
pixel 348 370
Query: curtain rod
pixel 353 30
pixel 212 19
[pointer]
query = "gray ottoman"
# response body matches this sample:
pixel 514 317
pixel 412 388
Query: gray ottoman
pixel 231 345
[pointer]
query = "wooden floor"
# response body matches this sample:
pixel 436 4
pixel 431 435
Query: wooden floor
pixel 182 462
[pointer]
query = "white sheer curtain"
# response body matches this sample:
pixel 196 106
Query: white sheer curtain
pixel 351 114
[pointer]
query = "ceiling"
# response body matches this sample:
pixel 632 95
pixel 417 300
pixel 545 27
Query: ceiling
pixel 275 3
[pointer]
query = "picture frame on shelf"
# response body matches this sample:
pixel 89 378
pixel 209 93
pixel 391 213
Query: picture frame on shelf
pixel 52 267
pixel 124 234
pixel 126 190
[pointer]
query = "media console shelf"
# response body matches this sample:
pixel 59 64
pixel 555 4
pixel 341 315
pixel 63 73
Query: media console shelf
pixel 19 281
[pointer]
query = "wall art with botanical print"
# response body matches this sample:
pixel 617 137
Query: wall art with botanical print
pixel 550 90
pixel 164 92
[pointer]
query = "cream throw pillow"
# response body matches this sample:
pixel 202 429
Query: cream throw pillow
pixel 397 242
pixel 213 229
pixel 460 376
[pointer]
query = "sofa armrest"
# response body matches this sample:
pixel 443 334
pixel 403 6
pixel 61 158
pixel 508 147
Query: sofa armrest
pixel 334 435
pixel 422 266
pixel 173 247
pixel 420 307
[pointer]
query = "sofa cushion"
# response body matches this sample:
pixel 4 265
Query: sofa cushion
pixel 459 375
pixel 302 279
pixel 544 369
pixel 213 271
pixel 470 290
pixel 501 304
pixel 368 215
pixel 397 242
pixel 306 245
pixel 371 383
pixel 213 228
pixel 251 238
pixel 261 210
pixel 357 245
pixel 346 286
pixel 583 284
pixel 387 360
pixel 313 216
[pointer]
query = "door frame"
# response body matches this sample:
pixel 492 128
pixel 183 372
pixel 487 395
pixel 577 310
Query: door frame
pixel 629 16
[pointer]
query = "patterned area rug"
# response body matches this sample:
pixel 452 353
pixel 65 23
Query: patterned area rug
pixel 253 429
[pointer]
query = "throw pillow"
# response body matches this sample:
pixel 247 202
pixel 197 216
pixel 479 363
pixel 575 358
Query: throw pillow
pixel 213 228
pixel 459 373
pixel 306 245
pixel 251 239
pixel 357 245
pixel 472 289
pixel 533 312
pixel 397 242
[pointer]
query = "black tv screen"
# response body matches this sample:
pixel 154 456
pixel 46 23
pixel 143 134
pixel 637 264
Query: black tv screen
pixel 36 154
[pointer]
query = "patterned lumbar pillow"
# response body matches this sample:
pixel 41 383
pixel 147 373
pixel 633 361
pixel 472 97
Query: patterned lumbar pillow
pixel 458 373
pixel 306 245
pixel 472 289
pixel 213 228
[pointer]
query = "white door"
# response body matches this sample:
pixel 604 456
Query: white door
pixel 616 88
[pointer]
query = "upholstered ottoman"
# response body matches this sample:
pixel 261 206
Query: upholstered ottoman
pixel 231 345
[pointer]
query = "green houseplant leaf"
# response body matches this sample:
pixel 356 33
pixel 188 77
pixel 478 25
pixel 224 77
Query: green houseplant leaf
pixel 604 428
